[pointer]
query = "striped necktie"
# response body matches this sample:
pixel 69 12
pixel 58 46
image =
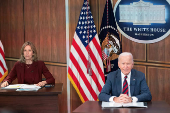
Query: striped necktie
pixel 125 86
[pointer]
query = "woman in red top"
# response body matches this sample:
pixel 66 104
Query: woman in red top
pixel 28 70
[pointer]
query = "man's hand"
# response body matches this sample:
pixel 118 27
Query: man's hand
pixel 127 99
pixel 119 99
pixel 123 98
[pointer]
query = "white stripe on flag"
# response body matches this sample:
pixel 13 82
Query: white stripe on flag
pixel 1 71
pixel 3 61
pixel 1 46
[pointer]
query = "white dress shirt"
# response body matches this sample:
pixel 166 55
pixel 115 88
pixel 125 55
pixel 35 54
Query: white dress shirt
pixel 134 99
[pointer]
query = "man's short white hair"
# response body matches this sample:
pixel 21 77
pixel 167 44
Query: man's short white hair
pixel 125 54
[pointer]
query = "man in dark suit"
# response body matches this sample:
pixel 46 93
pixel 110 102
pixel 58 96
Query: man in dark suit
pixel 126 84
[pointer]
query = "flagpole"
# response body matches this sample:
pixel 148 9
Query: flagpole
pixel 67 53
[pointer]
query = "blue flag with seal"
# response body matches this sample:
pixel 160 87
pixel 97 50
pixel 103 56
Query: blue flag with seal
pixel 109 39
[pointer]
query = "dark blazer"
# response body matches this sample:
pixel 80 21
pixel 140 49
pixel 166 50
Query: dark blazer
pixel 138 86
pixel 38 68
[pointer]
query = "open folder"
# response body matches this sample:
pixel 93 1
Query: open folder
pixel 133 104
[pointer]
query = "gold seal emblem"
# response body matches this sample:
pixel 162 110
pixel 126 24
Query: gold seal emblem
pixel 110 48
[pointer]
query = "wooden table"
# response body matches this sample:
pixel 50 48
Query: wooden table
pixel 95 107
pixel 44 100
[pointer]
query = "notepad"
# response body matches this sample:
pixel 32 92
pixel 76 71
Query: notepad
pixel 133 104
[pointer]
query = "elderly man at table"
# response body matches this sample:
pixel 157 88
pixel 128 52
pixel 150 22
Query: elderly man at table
pixel 137 89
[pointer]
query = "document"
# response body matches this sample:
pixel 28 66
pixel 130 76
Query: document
pixel 133 104
pixel 14 86
pixel 22 87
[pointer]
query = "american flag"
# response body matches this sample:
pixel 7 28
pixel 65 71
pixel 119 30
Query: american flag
pixel 86 54
pixel 3 67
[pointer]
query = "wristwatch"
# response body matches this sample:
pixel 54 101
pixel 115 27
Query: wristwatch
pixel 132 99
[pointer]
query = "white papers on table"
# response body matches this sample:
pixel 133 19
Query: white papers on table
pixel 14 86
pixel 30 86
pixel 133 104
pixel 22 87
